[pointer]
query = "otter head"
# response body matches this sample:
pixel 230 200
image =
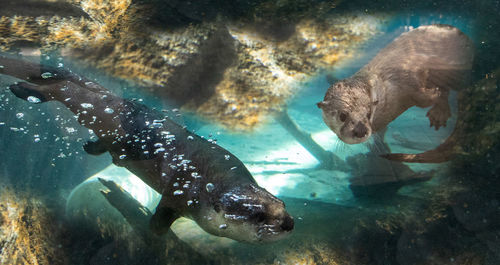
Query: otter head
pixel 348 110
pixel 245 212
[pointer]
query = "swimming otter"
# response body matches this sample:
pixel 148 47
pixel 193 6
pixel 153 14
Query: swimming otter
pixel 418 68
pixel 197 178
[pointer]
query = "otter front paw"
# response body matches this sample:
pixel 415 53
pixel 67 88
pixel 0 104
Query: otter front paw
pixel 438 115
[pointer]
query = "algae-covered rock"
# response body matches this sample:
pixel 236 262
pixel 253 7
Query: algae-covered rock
pixel 479 123
pixel 29 231
pixel 232 69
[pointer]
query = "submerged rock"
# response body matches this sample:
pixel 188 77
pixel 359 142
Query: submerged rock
pixel 234 70
pixel 29 232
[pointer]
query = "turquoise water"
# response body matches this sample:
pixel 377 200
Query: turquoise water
pixel 402 213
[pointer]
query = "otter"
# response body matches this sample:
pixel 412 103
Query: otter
pixel 419 68
pixel 197 178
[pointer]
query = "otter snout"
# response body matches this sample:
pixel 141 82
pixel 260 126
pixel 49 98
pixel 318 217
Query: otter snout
pixel 354 132
pixel 287 224
pixel 360 130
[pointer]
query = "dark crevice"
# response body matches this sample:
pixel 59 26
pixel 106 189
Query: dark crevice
pixel 195 81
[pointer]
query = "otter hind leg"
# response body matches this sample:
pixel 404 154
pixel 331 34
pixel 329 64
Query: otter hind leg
pixel 426 97
pixel 440 112
pixel 438 99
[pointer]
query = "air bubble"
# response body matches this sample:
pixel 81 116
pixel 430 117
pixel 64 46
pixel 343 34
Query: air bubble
pixel 227 157
pixel 189 202
pixel 159 121
pixel 190 137
pixel 19 115
pixel 210 187
pixel 33 99
pixel 87 105
pixel 157 124
pixel 109 110
pixel 178 192
pixel 47 75
pixel 123 156
pixel 159 150
pixel 223 226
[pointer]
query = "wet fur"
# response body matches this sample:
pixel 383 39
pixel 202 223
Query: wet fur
pixel 132 134
pixel 419 68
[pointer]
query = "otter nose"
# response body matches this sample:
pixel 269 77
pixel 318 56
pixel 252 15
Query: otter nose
pixel 360 130
pixel 287 224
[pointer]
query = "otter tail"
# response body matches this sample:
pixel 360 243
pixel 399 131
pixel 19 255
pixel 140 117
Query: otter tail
pixel 452 145
pixel 440 154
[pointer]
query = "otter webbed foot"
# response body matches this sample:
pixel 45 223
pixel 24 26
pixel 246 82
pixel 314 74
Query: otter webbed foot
pixel 439 114
pixel 95 148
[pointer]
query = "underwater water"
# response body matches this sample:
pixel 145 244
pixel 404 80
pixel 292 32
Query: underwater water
pixel 176 130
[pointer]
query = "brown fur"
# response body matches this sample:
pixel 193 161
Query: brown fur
pixel 419 68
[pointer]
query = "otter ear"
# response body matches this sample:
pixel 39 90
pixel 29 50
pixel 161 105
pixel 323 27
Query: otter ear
pixel 321 104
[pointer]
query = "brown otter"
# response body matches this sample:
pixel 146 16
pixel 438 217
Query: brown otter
pixel 197 179
pixel 419 68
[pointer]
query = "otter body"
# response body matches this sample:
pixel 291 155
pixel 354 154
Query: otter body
pixel 197 178
pixel 418 68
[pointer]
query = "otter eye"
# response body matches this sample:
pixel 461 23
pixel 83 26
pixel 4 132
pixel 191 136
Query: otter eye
pixel 217 207
pixel 342 116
